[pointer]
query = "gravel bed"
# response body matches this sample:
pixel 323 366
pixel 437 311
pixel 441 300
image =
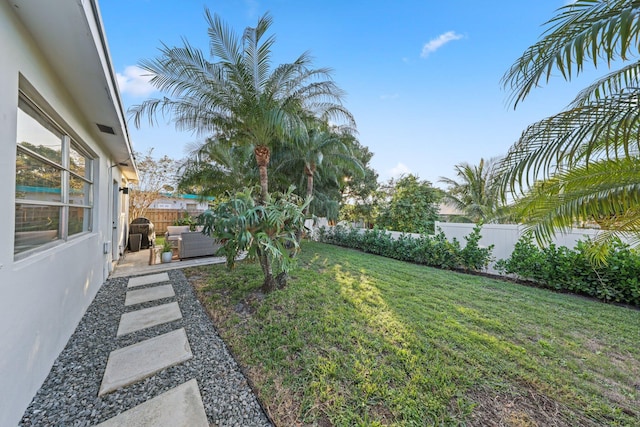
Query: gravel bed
pixel 69 395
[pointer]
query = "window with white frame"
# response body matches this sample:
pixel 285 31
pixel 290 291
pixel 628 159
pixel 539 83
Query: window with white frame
pixel 54 181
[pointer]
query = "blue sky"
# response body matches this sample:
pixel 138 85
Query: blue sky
pixel 422 77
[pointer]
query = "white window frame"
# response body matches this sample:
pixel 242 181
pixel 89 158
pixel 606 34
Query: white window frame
pixel 68 143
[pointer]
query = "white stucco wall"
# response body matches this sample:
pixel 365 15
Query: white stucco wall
pixel 43 296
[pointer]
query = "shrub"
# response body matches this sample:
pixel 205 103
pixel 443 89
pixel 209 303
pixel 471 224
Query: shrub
pixel 571 270
pixel 473 256
pixel 434 251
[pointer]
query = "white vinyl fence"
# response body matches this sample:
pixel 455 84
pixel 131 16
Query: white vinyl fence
pixel 503 237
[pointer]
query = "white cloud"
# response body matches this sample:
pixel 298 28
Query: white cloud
pixel 399 170
pixel 438 42
pixel 135 81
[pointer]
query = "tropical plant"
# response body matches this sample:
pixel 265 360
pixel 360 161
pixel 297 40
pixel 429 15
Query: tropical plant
pixel 584 160
pixel 265 231
pixel 187 219
pixel 475 191
pixel 239 98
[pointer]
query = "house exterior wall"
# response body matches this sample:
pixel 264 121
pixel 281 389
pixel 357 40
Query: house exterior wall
pixel 191 204
pixel 43 296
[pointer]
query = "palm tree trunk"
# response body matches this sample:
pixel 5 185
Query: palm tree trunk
pixel 263 155
pixel 309 170
pixel 269 283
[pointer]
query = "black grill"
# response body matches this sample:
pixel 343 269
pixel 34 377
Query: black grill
pixel 145 228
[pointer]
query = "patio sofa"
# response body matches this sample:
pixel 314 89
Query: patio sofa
pixel 191 244
pixel 196 244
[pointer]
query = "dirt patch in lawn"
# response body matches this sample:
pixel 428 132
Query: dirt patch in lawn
pixel 521 408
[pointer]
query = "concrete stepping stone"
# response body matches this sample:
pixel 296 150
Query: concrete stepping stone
pixel 138 361
pixel 148 317
pixel 179 407
pixel 147 280
pixel 148 294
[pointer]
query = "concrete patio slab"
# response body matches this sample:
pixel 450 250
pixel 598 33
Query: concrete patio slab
pixel 179 407
pixel 147 280
pixel 138 361
pixel 148 317
pixel 136 263
pixel 148 294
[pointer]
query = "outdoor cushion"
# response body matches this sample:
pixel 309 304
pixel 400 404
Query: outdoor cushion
pixel 176 230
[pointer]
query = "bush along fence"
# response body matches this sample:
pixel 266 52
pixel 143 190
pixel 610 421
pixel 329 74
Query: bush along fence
pixel 617 279
pixel 434 251
pixel 554 267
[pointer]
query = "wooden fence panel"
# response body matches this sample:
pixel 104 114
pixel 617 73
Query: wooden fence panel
pixel 161 218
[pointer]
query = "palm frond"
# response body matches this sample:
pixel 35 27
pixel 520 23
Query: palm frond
pixel 607 127
pixel 584 31
pixel 605 191
pixel 626 79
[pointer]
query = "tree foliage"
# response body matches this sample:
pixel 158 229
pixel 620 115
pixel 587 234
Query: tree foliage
pixel 412 206
pixel 566 155
pixel 156 176
pixel 215 168
pixel 359 192
pixel 322 155
pixel 240 98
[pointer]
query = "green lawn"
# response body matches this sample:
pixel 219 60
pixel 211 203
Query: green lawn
pixel 357 339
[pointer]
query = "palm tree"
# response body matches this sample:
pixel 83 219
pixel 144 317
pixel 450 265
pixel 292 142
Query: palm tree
pixel 584 160
pixel 322 151
pixel 217 167
pixel 240 98
pixel 475 192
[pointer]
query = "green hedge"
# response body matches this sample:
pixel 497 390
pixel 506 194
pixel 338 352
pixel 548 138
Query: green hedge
pixel 570 270
pixel 432 251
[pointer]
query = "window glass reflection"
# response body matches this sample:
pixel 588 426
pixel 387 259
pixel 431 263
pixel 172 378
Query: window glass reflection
pixel 78 162
pixel 35 226
pixel 79 220
pixel 37 180
pixel 79 191
pixel 37 134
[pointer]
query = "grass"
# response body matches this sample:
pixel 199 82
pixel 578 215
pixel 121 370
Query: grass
pixel 357 339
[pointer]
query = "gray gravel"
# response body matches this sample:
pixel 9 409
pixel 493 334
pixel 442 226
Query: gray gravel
pixel 69 395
